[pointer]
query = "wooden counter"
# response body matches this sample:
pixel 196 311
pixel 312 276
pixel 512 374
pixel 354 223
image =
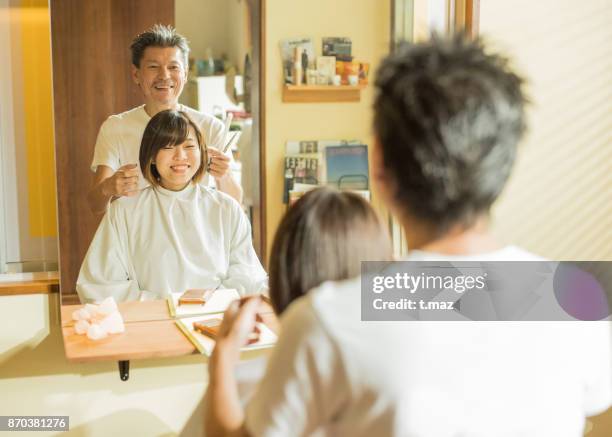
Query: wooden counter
pixel 150 332
pixel 29 283
pixel 154 339
pixel 135 311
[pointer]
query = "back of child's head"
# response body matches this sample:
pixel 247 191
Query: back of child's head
pixel 166 128
pixel 323 237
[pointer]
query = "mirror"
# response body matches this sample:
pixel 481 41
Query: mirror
pixel 224 37
pixel 91 81
pixel 28 227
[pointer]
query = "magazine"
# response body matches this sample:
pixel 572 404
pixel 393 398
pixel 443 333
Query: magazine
pixel 205 344
pixel 347 166
pixel 338 47
pixel 340 163
pixel 287 47
pixel 303 146
pixel 301 169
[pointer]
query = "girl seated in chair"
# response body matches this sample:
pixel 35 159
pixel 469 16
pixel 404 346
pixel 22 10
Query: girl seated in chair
pixel 175 234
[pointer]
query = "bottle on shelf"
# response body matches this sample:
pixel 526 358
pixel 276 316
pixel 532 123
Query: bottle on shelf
pixel 297 66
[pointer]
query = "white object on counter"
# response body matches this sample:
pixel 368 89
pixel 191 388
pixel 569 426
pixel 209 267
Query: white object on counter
pixel 81 314
pixel 81 327
pixel 97 321
pixel 107 306
pixel 113 323
pixel 95 332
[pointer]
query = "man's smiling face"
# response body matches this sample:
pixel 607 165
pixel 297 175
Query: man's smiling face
pixel 161 76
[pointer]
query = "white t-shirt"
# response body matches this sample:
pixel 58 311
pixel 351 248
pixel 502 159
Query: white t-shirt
pixel 163 241
pixel 330 372
pixel 120 135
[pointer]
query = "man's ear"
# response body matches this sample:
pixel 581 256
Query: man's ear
pixel 379 174
pixel 135 74
pixel 382 179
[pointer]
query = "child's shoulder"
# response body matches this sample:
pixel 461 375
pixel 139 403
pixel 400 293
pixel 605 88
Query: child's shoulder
pixel 219 197
pixel 131 203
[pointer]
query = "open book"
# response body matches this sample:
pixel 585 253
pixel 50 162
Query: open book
pixel 205 344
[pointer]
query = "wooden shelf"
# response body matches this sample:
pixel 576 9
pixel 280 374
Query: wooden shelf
pixel 321 93
pixel 29 283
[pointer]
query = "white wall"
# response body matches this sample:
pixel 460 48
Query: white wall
pixel 559 199
pixel 367 23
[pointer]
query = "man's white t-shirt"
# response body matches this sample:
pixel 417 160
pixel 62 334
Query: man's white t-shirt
pixel 120 135
pixel 330 372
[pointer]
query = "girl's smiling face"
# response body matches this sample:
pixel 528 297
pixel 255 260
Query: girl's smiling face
pixel 176 164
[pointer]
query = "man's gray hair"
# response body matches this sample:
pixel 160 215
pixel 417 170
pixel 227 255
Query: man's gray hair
pixel 159 36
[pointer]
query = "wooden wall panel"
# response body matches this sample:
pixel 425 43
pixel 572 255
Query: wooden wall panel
pixel 91 80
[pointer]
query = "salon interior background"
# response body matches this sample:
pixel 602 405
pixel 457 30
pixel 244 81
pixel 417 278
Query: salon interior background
pixel 561 189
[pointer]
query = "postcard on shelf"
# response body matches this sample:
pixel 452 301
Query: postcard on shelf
pixel 205 343
pixel 364 71
pixel 346 70
pixel 287 47
pixel 347 166
pixel 216 303
pixel 338 47
pixel 326 68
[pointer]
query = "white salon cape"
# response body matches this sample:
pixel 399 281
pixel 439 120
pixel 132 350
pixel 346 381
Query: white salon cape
pixel 163 241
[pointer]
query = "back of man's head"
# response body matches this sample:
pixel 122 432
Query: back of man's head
pixel 448 117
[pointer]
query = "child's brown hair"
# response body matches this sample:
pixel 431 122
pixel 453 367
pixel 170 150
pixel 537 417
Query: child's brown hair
pixel 323 237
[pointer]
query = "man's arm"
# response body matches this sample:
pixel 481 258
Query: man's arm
pixel 108 185
pixel 228 185
pixel 219 168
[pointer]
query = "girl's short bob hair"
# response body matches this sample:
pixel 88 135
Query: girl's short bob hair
pixel 168 127
pixel 323 237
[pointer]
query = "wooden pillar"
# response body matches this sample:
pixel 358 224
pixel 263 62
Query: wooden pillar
pixel 91 80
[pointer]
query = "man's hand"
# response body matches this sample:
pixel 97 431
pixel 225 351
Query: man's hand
pixel 219 168
pixel 218 163
pixel 109 184
pixel 124 182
